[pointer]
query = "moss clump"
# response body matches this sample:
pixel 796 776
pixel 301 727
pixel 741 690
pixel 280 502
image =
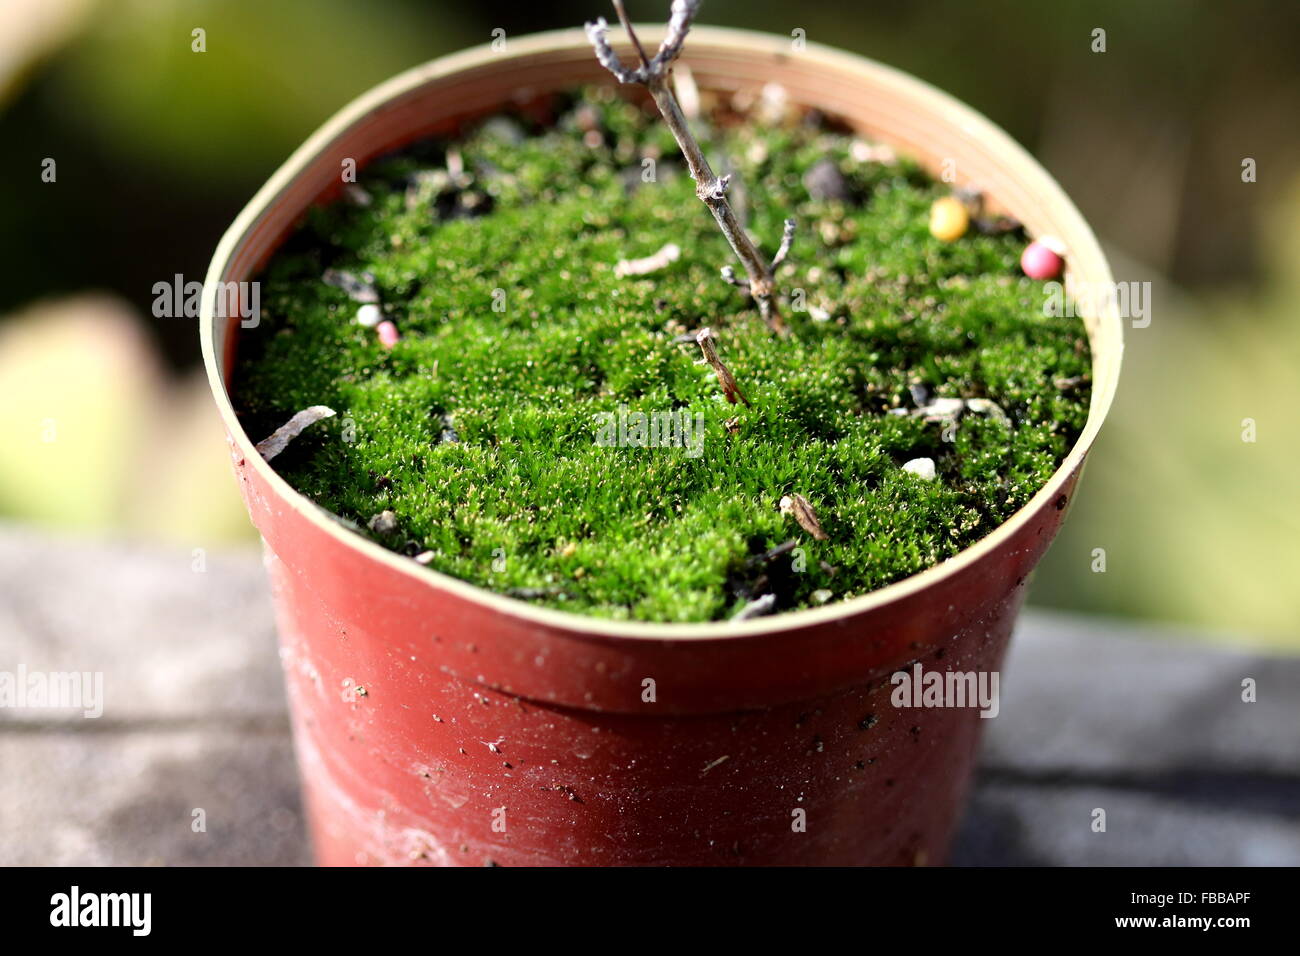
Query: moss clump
pixel 478 429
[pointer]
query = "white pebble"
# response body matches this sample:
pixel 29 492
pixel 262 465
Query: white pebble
pixel 383 523
pixel 921 467
pixel 369 315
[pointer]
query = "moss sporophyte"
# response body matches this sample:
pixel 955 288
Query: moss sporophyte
pixel 509 356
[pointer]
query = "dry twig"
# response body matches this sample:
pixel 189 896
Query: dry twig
pixel 730 388
pixel 640 267
pixel 711 190
pixel 279 440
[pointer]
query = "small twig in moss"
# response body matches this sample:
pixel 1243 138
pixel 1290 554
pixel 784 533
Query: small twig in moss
pixel 771 554
pixel 802 510
pixel 639 267
pixel 729 277
pixel 787 238
pixel 631 35
pixel 711 190
pixel 756 608
pixel 279 439
pixel 730 388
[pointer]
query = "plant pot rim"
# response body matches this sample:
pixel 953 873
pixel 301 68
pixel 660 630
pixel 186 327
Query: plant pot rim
pixel 1105 331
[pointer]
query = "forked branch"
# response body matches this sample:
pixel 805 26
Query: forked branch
pixel 712 191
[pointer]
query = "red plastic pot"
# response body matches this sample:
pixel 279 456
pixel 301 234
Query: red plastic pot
pixel 436 722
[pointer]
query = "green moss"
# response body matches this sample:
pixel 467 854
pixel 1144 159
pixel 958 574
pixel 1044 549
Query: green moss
pixel 653 533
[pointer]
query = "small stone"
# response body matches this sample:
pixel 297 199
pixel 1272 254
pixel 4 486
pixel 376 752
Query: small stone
pixel 383 523
pixel 424 186
pixel 425 557
pixel 822 595
pixel 864 152
pixel 387 334
pixel 503 129
pixel 774 104
pixel 471 202
pixel 921 467
pixel 358 288
pixel 1043 258
pixel 448 435
pixel 825 181
pixel 941 409
pixel 948 219
pixel 357 195
pixel 369 315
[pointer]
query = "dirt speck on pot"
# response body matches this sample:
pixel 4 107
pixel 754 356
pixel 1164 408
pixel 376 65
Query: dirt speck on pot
pixel 714 763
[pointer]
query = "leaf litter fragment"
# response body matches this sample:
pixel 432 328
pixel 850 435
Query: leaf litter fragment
pixel 279 439
pixel 803 512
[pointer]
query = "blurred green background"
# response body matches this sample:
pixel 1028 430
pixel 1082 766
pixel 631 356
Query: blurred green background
pixel 105 420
